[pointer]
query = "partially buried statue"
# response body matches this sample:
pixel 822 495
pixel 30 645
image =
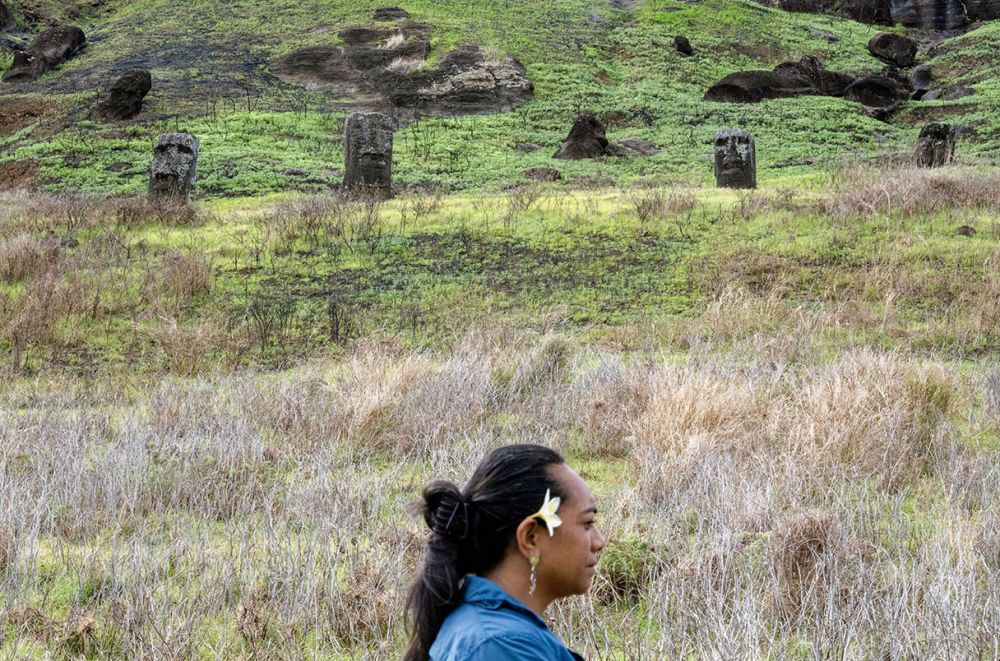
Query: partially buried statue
pixel 735 159
pixel 936 145
pixel 175 162
pixel 368 153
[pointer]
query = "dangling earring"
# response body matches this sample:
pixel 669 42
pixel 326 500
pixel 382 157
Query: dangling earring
pixel 534 574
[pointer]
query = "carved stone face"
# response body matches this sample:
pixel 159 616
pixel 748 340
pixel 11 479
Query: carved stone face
pixel 175 162
pixel 735 159
pixel 368 153
pixel 936 145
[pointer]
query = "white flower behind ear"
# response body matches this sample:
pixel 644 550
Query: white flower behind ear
pixel 548 512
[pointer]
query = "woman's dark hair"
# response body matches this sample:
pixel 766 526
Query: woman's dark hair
pixel 471 530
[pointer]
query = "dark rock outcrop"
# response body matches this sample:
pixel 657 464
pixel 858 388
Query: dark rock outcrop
pixel 6 17
pixel 634 147
pixel 874 12
pixel 807 76
pixel 49 49
pixel 586 139
pixel 682 45
pixel 929 14
pixel 386 14
pixel 921 79
pixel 893 49
pixel 466 82
pixel 124 100
pixel 948 93
pixel 935 146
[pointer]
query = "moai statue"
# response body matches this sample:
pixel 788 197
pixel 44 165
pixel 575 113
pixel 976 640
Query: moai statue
pixel 936 145
pixel 735 159
pixel 175 162
pixel 368 153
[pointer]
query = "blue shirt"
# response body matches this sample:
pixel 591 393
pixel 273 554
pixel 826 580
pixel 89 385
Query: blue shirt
pixel 491 625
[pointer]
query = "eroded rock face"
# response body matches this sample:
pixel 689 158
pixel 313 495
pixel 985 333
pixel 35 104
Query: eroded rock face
pixel 124 99
pixel 586 139
pixel 807 76
pixel 921 78
pixel 466 82
pixel 6 17
pixel 735 159
pixel 383 69
pixel 935 146
pixel 948 93
pixel 175 164
pixel 49 49
pixel 874 12
pixel 893 49
pixel 368 153
pixel 929 14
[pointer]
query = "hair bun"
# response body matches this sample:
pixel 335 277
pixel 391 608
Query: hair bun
pixel 446 511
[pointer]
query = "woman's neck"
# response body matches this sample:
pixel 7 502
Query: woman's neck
pixel 515 580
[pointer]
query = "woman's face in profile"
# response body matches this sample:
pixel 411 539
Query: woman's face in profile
pixel 569 557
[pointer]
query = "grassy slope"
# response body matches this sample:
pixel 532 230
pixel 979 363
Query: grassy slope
pixel 210 65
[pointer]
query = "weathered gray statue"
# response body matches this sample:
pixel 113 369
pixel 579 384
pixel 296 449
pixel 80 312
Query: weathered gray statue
pixel 175 163
pixel 735 159
pixel 368 153
pixel 936 145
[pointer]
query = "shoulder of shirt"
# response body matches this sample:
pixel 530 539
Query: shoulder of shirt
pixel 520 642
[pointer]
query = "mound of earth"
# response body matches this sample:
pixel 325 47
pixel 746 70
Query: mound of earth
pixel 18 174
pixel 49 49
pixel 383 69
pixel 807 76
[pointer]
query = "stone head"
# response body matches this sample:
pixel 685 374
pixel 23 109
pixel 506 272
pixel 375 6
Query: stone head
pixel 735 159
pixel 175 161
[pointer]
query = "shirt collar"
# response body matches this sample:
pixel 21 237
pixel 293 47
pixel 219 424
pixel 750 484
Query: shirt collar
pixel 487 594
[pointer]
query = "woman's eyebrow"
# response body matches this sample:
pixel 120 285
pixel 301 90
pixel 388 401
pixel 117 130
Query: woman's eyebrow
pixel 591 510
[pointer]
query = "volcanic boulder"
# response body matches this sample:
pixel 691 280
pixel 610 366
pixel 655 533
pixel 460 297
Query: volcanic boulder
pixel 49 49
pixel 807 76
pixel 682 45
pixel 921 79
pixel 893 49
pixel 935 146
pixel 124 100
pixel 882 92
pixel 585 140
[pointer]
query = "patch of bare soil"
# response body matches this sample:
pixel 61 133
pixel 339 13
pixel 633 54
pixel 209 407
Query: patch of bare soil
pixel 18 174
pixel 17 114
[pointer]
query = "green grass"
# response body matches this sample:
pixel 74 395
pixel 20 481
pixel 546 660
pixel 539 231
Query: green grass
pixel 210 66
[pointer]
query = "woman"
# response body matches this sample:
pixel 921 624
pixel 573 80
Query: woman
pixel 520 535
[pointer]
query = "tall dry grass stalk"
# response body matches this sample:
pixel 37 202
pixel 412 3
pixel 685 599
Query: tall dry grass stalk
pixel 818 506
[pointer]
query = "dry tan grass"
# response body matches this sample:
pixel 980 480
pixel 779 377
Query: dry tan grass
pixel 907 191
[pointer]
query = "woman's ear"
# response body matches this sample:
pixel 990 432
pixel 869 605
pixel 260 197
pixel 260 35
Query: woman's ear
pixel 527 537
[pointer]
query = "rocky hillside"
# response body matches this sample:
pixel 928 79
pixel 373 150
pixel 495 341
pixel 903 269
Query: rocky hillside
pixel 484 91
